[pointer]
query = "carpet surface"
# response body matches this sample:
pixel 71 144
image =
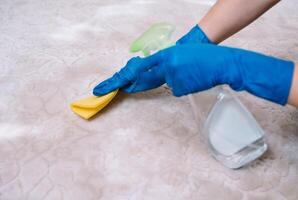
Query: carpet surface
pixel 142 146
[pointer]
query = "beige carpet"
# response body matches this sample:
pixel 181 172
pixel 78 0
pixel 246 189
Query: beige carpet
pixel 143 146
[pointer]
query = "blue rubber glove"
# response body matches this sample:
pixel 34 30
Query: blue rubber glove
pixel 195 36
pixel 192 68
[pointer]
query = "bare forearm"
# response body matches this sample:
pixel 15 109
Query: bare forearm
pixel 293 97
pixel 227 17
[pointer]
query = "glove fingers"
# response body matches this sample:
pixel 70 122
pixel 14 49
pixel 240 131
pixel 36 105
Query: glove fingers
pixel 151 61
pixel 147 81
pixel 109 85
pixel 128 74
pixel 137 65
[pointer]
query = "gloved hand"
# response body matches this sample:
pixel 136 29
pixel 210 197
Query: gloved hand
pixel 192 68
pixel 195 36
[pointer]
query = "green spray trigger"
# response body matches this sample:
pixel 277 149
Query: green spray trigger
pixel 157 37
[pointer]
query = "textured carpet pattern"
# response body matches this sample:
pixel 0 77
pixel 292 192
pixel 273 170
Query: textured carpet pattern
pixel 143 146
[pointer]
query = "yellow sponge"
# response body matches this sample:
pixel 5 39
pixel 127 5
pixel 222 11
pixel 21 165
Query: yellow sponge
pixel 89 106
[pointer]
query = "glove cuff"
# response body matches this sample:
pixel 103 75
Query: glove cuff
pixel 195 35
pixel 264 76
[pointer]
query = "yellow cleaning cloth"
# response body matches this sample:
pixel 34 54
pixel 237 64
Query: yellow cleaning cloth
pixel 89 106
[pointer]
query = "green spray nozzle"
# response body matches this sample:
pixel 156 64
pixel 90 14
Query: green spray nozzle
pixel 157 37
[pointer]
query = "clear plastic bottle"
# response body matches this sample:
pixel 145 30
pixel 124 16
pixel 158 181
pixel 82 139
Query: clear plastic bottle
pixel 233 135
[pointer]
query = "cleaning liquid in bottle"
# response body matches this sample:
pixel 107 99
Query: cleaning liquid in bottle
pixel 233 135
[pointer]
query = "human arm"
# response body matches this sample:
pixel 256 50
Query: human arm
pixel 226 18
pixel 196 67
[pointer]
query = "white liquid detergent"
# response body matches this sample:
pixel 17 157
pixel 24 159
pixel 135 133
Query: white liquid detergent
pixel 234 135
pixel 231 130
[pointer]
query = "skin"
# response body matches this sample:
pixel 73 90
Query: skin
pixel 293 97
pixel 227 17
